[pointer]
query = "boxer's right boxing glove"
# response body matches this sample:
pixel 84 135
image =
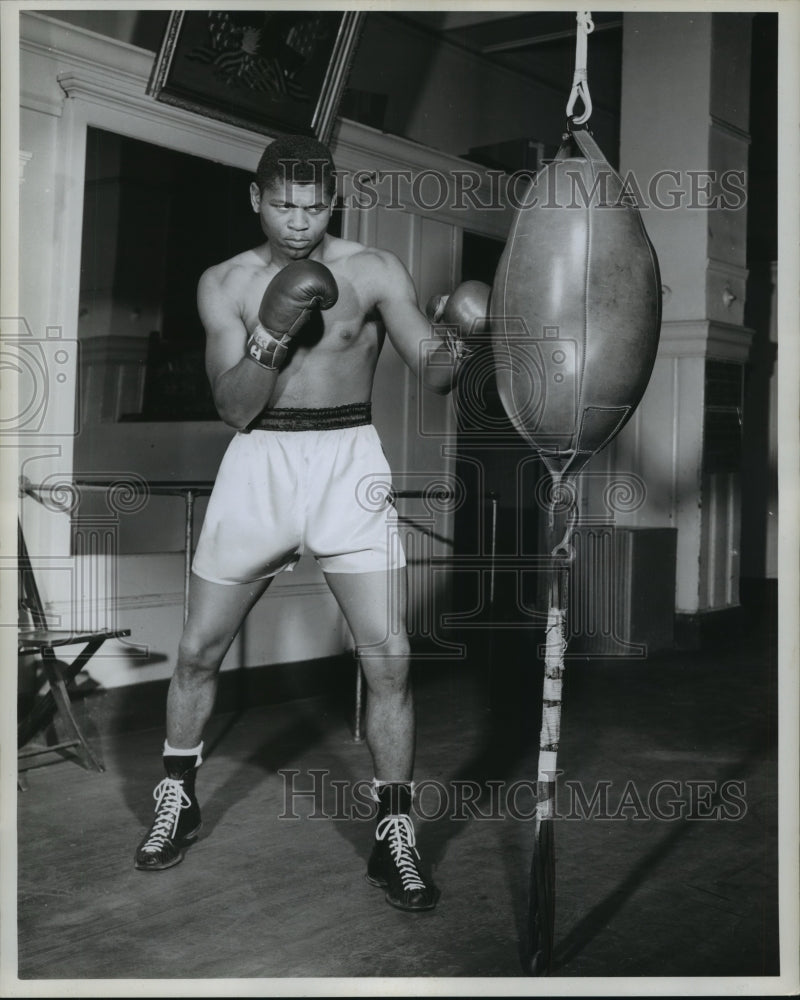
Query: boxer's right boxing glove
pixel 465 309
pixel 295 290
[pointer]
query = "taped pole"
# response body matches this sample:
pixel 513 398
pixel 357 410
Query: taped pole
pixel 541 890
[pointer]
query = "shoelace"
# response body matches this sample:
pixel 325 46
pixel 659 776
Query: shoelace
pixel 402 842
pixel 170 798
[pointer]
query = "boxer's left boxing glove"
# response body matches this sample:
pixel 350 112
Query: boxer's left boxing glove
pixel 461 313
pixel 295 290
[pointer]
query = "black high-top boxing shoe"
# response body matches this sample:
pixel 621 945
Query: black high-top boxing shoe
pixel 393 862
pixel 177 821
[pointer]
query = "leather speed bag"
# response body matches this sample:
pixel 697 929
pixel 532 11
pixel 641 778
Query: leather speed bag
pixel 575 308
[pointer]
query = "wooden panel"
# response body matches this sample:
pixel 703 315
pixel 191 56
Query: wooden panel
pixel 622 591
pixel 661 449
pixel 433 267
pixel 719 559
pixel 393 387
pixel 416 424
pixel 112 377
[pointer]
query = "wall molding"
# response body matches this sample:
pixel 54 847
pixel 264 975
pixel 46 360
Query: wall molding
pixel 146 602
pixel 125 93
pixel 705 338
pixel 727 268
pixel 131 611
pixel 729 129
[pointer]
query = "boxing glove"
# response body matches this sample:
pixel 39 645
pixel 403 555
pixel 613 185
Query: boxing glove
pixel 285 306
pixel 465 309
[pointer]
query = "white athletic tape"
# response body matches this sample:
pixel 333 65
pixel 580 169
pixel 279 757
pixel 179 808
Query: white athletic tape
pixel 547 765
pixel 554 643
pixel 551 689
pixel 551 724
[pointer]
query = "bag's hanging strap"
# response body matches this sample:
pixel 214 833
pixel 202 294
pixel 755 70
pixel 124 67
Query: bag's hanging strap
pixel 580 89
pixel 580 83
pixel 586 144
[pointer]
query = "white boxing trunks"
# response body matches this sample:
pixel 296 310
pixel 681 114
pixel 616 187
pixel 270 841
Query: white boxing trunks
pixel 321 486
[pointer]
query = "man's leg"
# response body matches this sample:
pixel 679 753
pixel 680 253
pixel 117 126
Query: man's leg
pixel 216 613
pixel 374 605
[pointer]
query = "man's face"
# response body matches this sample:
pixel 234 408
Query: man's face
pixel 294 217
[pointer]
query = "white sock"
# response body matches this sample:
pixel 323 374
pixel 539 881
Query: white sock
pixel 379 783
pixel 193 752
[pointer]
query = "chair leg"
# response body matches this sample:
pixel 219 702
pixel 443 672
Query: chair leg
pixel 58 688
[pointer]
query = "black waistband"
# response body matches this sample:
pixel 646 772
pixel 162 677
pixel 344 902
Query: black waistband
pixel 324 418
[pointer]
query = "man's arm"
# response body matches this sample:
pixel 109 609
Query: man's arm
pixel 408 328
pixel 241 389
pixel 243 375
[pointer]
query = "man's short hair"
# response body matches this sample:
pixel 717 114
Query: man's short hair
pixel 297 159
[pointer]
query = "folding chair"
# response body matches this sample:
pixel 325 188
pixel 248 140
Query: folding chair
pixel 35 637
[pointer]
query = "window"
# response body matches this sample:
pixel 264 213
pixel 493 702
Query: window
pixel 154 220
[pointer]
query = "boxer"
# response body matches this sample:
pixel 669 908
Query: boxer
pixel 294 328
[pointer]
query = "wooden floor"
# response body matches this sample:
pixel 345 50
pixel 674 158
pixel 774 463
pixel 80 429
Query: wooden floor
pixel 263 896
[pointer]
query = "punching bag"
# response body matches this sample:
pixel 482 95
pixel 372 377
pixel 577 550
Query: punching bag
pixel 575 314
pixel 575 308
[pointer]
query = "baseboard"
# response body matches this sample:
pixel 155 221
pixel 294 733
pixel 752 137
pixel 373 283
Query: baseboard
pixel 705 628
pixel 758 608
pixel 758 593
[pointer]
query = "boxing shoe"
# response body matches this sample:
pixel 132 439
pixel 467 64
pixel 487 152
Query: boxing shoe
pixel 177 821
pixel 393 863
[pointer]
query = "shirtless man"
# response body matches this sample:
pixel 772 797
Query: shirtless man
pixel 294 329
